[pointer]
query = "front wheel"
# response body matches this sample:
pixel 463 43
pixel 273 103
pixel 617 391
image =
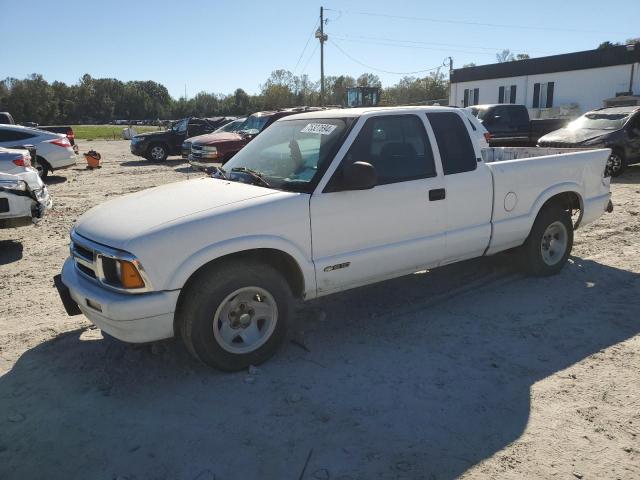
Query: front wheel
pixel 157 153
pixel 235 314
pixel 549 244
pixel 615 164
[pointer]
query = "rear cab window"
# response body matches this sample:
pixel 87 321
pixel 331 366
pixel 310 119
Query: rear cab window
pixel 457 152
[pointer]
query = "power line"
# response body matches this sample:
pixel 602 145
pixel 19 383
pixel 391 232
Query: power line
pixel 480 24
pixel 379 69
pixel 306 45
pixel 411 46
pixel 309 59
pixel 493 49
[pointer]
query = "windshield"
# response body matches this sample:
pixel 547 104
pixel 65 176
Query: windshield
pixel 289 153
pixel 180 126
pixel 233 126
pixel 599 121
pixel 255 122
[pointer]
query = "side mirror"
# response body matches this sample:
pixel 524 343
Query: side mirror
pixel 359 176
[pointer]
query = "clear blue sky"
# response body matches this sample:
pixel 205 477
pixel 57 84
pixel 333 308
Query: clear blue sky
pixel 219 46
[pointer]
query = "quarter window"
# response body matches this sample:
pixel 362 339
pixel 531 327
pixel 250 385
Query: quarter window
pixel 396 146
pixel 456 150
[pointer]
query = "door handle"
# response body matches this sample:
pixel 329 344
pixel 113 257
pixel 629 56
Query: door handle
pixel 437 194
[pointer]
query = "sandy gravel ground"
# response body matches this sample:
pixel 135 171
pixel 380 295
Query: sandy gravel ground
pixel 471 371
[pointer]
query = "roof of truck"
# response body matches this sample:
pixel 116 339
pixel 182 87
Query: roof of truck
pixel 357 112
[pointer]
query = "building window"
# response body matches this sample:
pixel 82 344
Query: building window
pixel 507 94
pixel 471 96
pixel 543 95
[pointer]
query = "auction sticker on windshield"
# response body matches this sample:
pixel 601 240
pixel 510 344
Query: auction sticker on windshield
pixel 321 128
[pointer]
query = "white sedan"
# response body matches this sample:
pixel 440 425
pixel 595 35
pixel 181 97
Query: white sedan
pixel 24 199
pixel 54 150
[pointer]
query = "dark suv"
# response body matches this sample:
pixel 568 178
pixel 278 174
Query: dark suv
pixel 617 128
pixel 157 146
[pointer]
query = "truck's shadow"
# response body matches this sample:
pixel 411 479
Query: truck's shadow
pixel 421 392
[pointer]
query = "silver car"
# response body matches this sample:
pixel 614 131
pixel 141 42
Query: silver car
pixel 54 150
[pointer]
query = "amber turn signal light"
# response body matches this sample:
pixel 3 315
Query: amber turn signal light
pixel 129 275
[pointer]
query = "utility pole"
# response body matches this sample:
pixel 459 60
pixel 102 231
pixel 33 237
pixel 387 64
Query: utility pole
pixel 323 38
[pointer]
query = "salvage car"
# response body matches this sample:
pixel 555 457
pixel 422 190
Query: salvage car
pixel 157 146
pixel 54 151
pixel 378 192
pixel 24 198
pixel 617 128
pixel 234 126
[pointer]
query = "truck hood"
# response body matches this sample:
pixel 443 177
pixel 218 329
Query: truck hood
pixel 116 222
pixel 219 137
pixel 151 134
pixel 566 135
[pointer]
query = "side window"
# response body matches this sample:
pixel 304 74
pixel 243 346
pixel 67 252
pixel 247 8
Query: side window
pixel 396 146
pixel 502 116
pixel 456 150
pixel 13 135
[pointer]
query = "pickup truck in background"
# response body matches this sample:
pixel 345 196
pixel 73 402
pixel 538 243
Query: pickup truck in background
pixel 157 146
pixel 319 203
pixel 510 126
pixel 233 126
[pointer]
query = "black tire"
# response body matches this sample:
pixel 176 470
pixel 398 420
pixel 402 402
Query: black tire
pixel 43 167
pixel 615 164
pixel 157 152
pixel 533 255
pixel 208 294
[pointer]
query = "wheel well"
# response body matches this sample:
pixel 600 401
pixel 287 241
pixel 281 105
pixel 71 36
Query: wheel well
pixel 568 201
pixel 43 161
pixel 281 261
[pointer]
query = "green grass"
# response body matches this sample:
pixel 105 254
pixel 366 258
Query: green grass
pixel 106 132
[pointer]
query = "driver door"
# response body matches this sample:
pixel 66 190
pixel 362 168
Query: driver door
pixel 394 228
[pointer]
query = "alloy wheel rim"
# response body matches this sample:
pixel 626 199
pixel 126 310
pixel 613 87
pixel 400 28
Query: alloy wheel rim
pixel 614 163
pixel 245 320
pixel 554 243
pixel 157 153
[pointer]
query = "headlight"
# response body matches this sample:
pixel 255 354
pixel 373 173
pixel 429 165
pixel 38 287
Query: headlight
pixel 209 149
pixel 121 273
pixel 16 185
pixel 137 139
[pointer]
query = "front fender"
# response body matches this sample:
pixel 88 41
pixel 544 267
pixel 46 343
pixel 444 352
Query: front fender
pixel 183 272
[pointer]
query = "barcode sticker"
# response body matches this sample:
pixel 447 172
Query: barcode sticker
pixel 321 128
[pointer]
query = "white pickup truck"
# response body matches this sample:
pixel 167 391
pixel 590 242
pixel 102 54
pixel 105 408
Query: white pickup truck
pixel 319 203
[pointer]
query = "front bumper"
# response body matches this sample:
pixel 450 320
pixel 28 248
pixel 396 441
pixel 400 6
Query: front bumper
pixel 139 149
pixel 134 318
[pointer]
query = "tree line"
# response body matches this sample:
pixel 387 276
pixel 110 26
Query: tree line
pixel 101 100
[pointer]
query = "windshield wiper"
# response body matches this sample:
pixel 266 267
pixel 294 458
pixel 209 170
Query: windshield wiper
pixel 218 172
pixel 253 174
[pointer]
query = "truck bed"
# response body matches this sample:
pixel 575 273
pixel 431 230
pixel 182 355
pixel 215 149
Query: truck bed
pixel 525 178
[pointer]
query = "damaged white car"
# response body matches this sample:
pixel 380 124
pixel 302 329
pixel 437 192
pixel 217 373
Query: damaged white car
pixel 24 198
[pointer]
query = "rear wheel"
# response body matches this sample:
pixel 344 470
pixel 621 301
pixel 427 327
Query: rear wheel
pixel 549 244
pixel 235 314
pixel 615 164
pixel 42 166
pixel 157 153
